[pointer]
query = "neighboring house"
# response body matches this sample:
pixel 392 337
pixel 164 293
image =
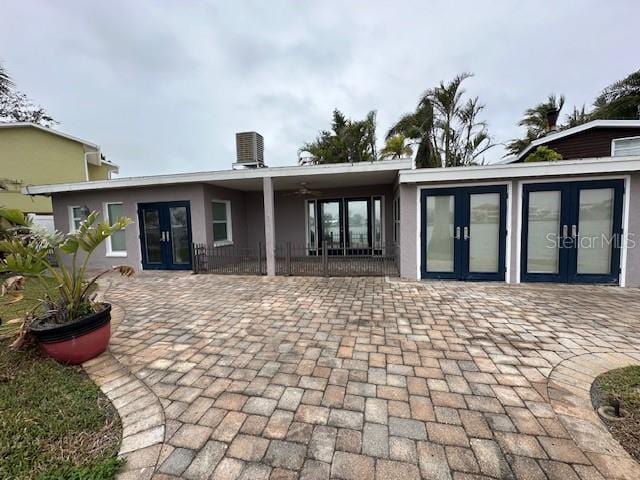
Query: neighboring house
pixel 524 222
pixel 598 138
pixel 31 155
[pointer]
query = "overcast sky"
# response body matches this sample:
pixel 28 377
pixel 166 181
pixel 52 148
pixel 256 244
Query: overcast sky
pixel 163 86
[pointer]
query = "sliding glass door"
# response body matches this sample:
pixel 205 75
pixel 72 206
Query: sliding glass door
pixel 464 233
pixel 572 231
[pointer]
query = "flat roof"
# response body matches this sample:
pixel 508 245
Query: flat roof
pixel 318 176
pixel 602 165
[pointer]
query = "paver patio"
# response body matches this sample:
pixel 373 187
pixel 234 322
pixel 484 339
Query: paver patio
pixel 365 378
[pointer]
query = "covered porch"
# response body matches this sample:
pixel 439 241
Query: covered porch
pixel 322 221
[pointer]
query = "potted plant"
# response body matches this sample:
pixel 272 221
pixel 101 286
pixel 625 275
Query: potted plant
pixel 69 324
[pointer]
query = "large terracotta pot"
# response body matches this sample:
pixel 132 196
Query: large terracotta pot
pixel 78 341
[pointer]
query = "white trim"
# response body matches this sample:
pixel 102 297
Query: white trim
pixel 578 129
pixel 604 165
pixel 626 203
pixel 72 218
pixel 221 175
pixel 228 221
pixel 109 249
pixel 507 252
pixel 49 130
pixel 614 140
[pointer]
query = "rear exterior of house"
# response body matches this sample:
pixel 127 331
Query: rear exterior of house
pixel 573 221
pixel 31 154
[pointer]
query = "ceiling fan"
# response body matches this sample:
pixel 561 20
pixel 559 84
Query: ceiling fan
pixel 304 191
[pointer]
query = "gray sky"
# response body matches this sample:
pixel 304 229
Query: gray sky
pixel 163 85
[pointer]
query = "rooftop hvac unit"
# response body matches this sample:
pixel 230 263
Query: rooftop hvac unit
pixel 249 150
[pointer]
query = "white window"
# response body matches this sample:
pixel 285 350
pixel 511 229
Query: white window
pixel 221 215
pixel 622 147
pixel 396 220
pixel 76 216
pixel 116 243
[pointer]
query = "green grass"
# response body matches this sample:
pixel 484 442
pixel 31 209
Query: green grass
pixel 32 293
pixel 623 383
pixel 54 421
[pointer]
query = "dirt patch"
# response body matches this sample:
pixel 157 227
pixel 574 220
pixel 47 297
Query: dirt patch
pixel 621 385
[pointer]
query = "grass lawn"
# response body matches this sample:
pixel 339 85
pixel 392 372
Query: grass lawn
pixel 54 421
pixel 624 384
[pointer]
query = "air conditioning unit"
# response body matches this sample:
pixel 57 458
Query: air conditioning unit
pixel 249 150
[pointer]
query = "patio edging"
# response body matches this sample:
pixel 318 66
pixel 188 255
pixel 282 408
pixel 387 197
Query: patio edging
pixel 140 410
pixel 569 392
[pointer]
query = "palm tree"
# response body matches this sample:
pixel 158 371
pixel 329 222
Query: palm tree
pixel 395 147
pixel 577 117
pixel 446 130
pixel 535 121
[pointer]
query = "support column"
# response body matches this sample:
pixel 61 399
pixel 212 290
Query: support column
pixel 269 225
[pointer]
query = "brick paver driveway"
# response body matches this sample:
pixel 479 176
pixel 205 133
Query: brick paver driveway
pixel 366 378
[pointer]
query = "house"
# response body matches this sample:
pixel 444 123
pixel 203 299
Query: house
pixel 569 221
pixel 598 138
pixel 31 154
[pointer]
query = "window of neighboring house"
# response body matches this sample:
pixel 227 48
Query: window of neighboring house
pixel 622 147
pixel 76 216
pixel 116 243
pixel 221 214
pixel 396 220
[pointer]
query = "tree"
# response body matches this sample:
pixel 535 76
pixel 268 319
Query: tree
pixel 446 128
pixel 535 121
pixel 15 106
pixel 620 100
pixel 543 154
pixel 348 141
pixel 577 117
pixel 396 147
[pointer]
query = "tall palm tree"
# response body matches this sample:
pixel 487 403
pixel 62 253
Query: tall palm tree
pixel 446 129
pixel 396 147
pixel 535 122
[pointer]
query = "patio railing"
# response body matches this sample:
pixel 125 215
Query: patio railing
pixel 295 259
pixel 229 259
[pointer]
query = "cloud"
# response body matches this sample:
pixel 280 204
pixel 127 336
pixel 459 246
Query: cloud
pixel 163 86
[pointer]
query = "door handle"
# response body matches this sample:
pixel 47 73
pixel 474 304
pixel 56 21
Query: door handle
pixel 466 233
pixel 457 235
pixel 574 231
pixel 565 231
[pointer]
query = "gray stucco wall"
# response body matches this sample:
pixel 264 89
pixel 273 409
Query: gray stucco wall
pixel 512 227
pixel 409 229
pixel 130 198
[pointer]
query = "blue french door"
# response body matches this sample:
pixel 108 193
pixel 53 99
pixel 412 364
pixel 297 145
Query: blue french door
pixel 463 233
pixel 165 235
pixel 572 231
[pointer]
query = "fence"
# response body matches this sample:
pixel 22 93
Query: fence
pixel 292 259
pixel 229 259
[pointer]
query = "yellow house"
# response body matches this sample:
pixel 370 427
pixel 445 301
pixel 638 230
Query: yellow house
pixel 33 155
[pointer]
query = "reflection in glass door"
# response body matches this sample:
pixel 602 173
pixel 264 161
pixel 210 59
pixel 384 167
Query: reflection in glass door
pixel 572 231
pixel 165 235
pixel 464 233
pixel 358 226
pixel 331 226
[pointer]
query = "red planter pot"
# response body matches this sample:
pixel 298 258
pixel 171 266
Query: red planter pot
pixel 78 341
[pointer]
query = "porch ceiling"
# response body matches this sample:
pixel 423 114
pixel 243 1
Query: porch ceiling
pixel 313 181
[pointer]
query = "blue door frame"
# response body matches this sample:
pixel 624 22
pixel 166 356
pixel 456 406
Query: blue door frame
pixel 462 220
pixel 567 243
pixel 163 242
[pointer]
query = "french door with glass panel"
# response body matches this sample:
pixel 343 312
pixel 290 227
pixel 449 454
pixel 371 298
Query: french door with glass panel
pixel 464 233
pixel 571 231
pixel 165 235
pixel 347 226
